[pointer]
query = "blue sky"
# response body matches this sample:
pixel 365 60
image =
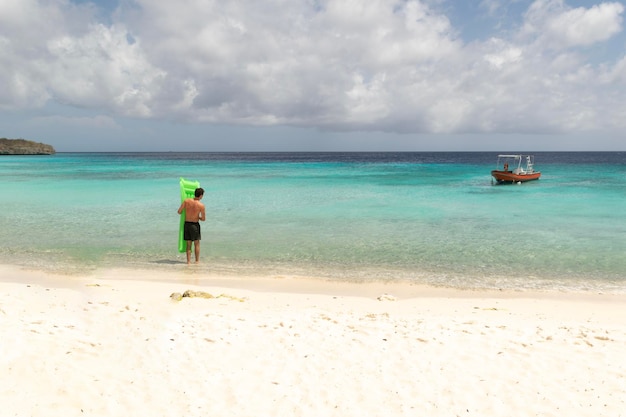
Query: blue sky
pixel 289 75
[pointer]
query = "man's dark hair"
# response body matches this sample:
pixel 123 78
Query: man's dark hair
pixel 199 192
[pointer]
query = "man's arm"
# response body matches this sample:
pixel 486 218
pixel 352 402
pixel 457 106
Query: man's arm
pixel 202 213
pixel 182 207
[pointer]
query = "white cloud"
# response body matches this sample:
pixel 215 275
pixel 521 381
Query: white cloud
pixel 557 25
pixel 304 68
pixel 387 65
pixel 54 50
pixel 508 54
pixel 587 26
pixel 101 69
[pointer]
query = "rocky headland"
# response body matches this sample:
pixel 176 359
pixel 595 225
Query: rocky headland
pixel 24 147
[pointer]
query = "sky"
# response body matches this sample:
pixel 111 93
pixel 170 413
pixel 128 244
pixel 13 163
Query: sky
pixel 314 75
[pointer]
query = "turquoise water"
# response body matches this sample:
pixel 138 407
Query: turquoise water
pixel 431 218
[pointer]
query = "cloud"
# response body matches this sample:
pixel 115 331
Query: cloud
pixel 491 6
pixel 101 68
pixel 557 25
pixel 96 122
pixel 341 65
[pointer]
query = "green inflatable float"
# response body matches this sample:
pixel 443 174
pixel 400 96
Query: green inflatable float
pixel 187 190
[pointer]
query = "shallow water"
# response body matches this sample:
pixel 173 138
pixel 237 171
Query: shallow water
pixel 431 218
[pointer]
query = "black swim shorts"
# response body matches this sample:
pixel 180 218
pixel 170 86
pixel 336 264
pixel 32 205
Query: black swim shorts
pixel 191 231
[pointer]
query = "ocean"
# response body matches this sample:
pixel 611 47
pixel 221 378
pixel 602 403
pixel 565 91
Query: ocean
pixel 428 218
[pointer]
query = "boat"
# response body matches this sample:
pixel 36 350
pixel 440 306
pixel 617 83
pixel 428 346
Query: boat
pixel 515 169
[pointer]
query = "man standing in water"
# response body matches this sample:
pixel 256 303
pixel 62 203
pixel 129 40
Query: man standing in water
pixel 194 213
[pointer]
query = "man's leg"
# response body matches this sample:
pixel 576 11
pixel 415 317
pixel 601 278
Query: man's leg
pixel 196 245
pixel 189 251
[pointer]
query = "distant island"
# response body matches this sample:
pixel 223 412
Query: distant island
pixel 24 147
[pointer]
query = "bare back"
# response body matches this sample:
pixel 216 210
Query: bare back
pixel 194 210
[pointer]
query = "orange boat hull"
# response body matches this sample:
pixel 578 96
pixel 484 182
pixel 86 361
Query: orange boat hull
pixel 508 176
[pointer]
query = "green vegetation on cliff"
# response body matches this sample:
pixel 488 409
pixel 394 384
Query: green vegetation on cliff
pixel 24 147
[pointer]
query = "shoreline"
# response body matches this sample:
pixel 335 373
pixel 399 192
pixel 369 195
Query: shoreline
pixel 292 284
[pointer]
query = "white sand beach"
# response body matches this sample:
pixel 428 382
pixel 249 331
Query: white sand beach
pixel 113 343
